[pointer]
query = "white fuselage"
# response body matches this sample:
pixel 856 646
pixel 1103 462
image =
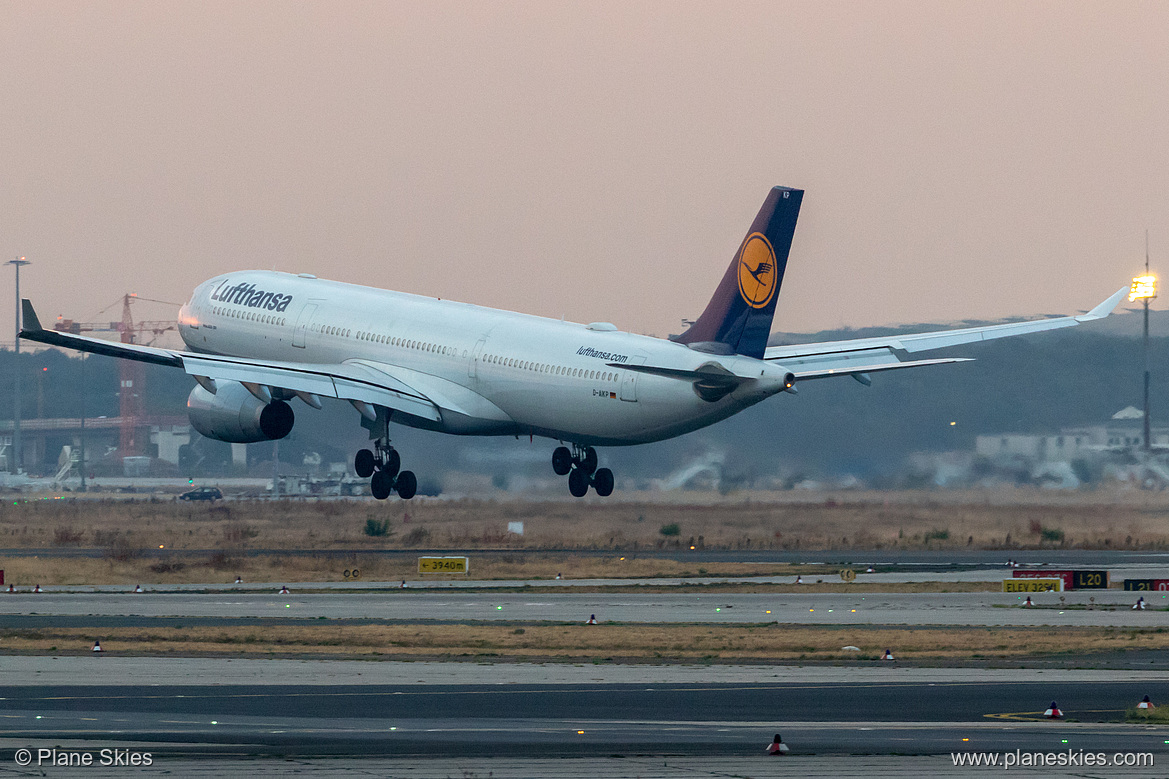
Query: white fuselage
pixel 529 374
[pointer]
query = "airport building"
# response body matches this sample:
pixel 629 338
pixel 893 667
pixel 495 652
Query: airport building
pixel 1124 430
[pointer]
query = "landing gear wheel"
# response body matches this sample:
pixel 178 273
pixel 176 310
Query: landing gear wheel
pixel 603 482
pixel 381 485
pixel 392 464
pixel 407 485
pixel 578 483
pixel 588 463
pixel 364 463
pixel 561 460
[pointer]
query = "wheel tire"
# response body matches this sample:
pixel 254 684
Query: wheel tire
pixel 603 482
pixel 578 483
pixel 407 485
pixel 561 460
pixel 588 463
pixel 381 485
pixel 364 463
pixel 393 463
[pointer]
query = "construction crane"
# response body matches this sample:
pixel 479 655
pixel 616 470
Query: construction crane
pixel 132 373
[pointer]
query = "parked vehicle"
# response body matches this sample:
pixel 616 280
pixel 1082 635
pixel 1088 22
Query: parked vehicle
pixel 202 493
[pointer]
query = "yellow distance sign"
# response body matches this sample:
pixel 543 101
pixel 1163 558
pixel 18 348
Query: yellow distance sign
pixel 442 564
pixel 1032 585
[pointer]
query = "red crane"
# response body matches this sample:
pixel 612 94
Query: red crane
pixel 131 372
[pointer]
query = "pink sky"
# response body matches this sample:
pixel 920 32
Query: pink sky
pixel 599 161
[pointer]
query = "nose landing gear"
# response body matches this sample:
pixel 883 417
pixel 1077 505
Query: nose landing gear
pixel 580 465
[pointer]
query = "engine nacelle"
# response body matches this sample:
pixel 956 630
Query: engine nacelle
pixel 234 415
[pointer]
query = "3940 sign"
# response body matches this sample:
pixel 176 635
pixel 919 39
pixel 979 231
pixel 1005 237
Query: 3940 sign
pixel 442 564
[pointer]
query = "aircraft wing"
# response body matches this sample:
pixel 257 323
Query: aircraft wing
pixel 348 381
pixel 869 355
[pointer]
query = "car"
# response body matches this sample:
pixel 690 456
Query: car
pixel 202 493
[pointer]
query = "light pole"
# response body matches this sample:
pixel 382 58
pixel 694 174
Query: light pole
pixel 16 461
pixel 1144 289
pixel 82 463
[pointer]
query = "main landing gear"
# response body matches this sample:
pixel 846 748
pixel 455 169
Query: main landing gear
pixel 580 465
pixel 383 466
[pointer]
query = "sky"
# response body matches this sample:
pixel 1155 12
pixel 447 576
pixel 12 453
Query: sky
pixel 597 161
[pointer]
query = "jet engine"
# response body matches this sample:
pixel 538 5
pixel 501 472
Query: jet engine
pixel 234 415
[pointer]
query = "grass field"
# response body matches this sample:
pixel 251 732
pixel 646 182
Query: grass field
pixel 592 643
pixel 142 541
pixel 870 521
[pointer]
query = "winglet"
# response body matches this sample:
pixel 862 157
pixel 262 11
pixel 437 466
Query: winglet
pixel 1105 308
pixel 28 318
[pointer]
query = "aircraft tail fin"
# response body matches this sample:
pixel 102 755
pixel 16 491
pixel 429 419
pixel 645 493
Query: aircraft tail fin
pixel 738 317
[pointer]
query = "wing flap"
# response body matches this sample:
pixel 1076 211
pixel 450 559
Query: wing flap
pixel 446 395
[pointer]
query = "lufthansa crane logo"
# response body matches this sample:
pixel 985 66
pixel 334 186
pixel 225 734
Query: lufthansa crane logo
pixel 757 277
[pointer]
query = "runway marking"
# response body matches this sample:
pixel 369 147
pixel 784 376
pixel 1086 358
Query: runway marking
pixel 1037 716
pixel 553 689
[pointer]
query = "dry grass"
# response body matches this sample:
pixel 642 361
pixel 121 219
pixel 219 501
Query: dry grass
pixel 127 534
pixel 912 520
pixel 279 569
pixel 1159 716
pixel 771 642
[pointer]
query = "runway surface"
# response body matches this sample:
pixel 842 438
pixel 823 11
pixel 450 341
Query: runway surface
pixel 582 719
pixel 604 767
pixel 423 720
pixel 1110 608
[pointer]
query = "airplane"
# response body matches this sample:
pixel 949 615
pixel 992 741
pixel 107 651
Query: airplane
pixel 258 340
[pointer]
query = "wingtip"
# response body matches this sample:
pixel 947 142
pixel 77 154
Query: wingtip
pixel 29 323
pixel 1105 308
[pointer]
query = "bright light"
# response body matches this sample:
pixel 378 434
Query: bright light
pixel 1143 288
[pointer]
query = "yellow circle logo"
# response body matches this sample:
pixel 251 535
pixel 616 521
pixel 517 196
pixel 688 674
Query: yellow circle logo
pixel 757 277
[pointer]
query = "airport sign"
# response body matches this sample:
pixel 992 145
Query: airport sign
pixel 1072 580
pixel 1142 585
pixel 1030 584
pixel 442 564
pixel 1067 577
pixel 1090 580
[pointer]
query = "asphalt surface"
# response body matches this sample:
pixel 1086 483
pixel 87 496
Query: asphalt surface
pixel 1109 608
pixel 581 720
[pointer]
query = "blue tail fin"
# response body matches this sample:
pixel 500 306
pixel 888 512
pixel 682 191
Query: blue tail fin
pixel 738 318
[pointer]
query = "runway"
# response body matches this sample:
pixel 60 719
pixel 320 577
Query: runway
pixel 435 720
pixel 1110 608
pixel 577 720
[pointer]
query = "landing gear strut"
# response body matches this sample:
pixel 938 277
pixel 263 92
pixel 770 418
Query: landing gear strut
pixel 580 464
pixel 383 465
